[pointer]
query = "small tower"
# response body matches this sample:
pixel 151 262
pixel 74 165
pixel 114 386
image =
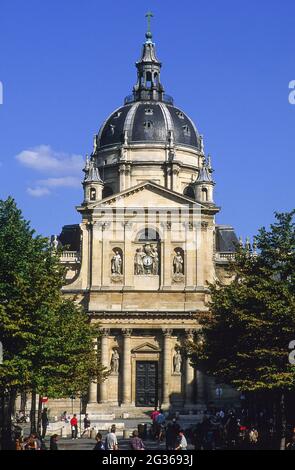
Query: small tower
pixel 204 183
pixel 148 86
pixel 92 184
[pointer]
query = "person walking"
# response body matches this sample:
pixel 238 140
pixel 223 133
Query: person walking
pixel 160 426
pixel 44 422
pixel 86 426
pixel 53 442
pixel 111 442
pixel 99 444
pixel 74 427
pixel 135 442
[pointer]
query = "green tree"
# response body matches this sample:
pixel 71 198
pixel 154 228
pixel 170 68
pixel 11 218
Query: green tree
pixel 47 340
pixel 246 333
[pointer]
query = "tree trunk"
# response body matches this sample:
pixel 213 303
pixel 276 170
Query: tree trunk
pixel 283 422
pixel 23 402
pixel 39 415
pixel 33 412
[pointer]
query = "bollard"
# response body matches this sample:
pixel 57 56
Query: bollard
pixel 126 434
pixel 64 432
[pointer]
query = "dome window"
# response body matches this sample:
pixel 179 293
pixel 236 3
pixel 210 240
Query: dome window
pixel 117 114
pixel 112 129
pixel 180 114
pixel 148 124
pixel 149 111
pixel 186 130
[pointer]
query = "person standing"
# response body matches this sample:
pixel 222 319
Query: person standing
pixel 74 427
pixel 111 442
pixel 44 422
pixel 135 442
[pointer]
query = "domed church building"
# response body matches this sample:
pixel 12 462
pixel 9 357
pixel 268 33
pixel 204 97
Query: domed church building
pixel 146 247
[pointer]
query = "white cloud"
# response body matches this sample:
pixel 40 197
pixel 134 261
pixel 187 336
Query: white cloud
pixel 43 158
pixel 38 191
pixel 63 169
pixel 66 182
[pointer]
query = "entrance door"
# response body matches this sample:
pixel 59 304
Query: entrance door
pixel 146 383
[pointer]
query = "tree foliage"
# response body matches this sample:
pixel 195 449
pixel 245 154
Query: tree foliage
pixel 246 333
pixel 47 339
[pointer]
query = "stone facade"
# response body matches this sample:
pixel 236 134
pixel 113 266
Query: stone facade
pixel 146 248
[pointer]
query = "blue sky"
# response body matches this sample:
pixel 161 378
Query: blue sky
pixel 66 64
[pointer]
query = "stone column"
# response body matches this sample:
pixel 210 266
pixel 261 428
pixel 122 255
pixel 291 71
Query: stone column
pixel 166 367
pixel 106 269
pixel 189 374
pixel 105 363
pixel 96 262
pixel 126 396
pixel 129 255
pixel 166 268
pixel 201 389
pixel 93 385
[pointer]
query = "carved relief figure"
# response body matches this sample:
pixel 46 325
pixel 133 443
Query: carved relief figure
pixel 177 360
pixel 115 362
pixel 146 260
pixel 178 263
pixel 155 256
pixel 116 263
pixel 138 261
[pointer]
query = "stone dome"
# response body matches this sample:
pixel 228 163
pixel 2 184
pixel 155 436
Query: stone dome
pixel 148 122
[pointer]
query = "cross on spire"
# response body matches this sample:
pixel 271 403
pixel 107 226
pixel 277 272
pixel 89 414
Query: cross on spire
pixel 149 16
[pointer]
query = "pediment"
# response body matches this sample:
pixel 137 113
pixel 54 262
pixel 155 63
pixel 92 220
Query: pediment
pixel 146 347
pixel 148 194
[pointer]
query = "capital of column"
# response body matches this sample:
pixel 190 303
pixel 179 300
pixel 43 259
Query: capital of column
pixel 167 332
pixel 127 332
pixel 105 332
pixel 189 333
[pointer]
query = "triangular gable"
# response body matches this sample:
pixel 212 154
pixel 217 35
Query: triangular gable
pixel 158 195
pixel 146 347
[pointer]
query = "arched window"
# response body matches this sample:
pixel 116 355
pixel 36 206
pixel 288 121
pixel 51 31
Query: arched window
pixel 189 192
pixel 148 79
pixel 92 194
pixel 107 191
pixel 148 235
pixel 204 194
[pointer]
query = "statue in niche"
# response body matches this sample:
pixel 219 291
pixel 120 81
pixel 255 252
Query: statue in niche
pixel 178 263
pixel 138 261
pixel 115 362
pixel 116 263
pixel 177 361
